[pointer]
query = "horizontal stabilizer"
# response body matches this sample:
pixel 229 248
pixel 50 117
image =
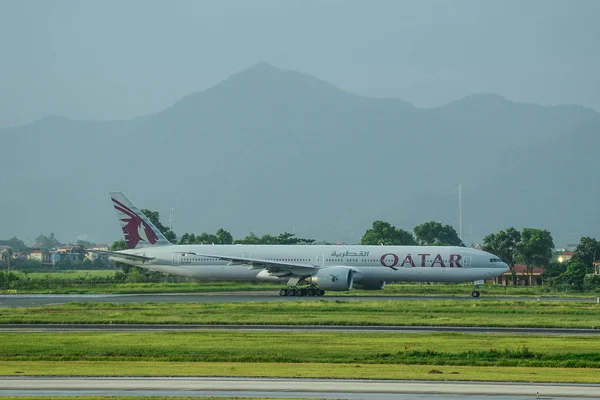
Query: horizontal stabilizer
pixel 117 254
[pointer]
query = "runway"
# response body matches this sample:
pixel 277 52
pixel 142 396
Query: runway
pixel 299 388
pixel 288 328
pixel 31 300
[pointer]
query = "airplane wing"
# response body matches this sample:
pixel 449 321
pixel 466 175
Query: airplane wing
pixel 126 256
pixel 274 267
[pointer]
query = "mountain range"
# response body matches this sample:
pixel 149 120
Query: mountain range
pixel 269 150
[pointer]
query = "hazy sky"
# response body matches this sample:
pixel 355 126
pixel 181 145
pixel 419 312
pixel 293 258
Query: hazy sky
pixel 125 58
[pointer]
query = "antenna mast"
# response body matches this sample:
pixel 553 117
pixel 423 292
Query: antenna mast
pixel 171 219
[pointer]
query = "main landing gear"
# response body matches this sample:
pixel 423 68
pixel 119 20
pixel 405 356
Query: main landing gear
pixel 475 293
pixel 309 291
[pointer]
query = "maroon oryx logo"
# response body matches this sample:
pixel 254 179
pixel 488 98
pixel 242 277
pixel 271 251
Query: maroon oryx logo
pixel 134 227
pixel 333 278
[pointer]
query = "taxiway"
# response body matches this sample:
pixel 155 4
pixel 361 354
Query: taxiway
pixel 303 388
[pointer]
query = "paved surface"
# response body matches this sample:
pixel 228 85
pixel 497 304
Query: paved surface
pixel 288 328
pixel 28 300
pixel 307 388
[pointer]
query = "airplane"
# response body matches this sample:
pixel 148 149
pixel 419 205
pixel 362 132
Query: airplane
pixel 308 270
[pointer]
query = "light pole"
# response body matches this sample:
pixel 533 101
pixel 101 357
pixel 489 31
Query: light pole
pixel 8 255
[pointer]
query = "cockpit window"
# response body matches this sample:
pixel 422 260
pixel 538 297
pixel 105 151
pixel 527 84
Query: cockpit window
pixel 495 260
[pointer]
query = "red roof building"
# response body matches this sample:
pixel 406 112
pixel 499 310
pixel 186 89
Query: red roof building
pixel 522 276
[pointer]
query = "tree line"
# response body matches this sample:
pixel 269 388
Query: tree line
pixel 534 247
pixel 43 242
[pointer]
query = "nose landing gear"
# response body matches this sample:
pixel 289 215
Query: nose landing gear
pixel 475 292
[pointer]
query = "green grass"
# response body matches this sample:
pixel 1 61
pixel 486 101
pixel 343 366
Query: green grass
pixel 299 370
pixel 74 274
pixel 63 287
pixel 303 355
pixel 317 347
pixel 322 312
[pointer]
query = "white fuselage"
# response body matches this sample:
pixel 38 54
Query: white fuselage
pixel 371 263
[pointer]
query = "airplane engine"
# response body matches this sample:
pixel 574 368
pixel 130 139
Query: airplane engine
pixel 370 285
pixel 333 278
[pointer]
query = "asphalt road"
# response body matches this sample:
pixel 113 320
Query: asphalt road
pixel 303 388
pixel 28 300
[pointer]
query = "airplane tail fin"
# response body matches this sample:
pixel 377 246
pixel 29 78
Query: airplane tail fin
pixel 137 228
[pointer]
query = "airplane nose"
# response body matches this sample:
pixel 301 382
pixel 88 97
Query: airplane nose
pixel 505 267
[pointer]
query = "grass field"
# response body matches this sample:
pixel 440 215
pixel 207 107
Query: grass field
pixel 386 355
pixel 321 312
pixel 326 355
pixel 300 370
pixel 317 347
pixel 74 274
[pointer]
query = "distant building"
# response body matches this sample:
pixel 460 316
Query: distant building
pixel 50 257
pixel 94 256
pixel 522 277
pixel 36 255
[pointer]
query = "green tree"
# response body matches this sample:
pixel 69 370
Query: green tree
pixel 268 239
pixel 98 263
pixel 154 217
pixel 289 238
pixel 535 248
pixel 587 252
pixel 384 233
pixel 504 245
pixel 250 239
pixel 282 238
pixel 435 234
pixel 184 239
pixel 574 274
pixel 136 275
pixel 47 242
pixel 17 245
pixel 224 237
pixel 555 270
pixel 187 238
pixel 6 256
pixel 121 245
pixel 205 238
